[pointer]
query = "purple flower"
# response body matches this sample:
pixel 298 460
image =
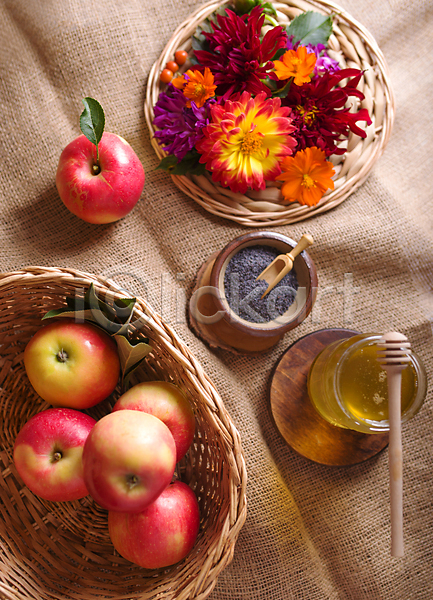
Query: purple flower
pixel 178 128
pixel 324 63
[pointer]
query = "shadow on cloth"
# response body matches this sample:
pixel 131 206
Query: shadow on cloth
pixel 45 228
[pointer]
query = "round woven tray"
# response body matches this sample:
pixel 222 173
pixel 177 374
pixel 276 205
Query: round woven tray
pixel 354 47
pixel 62 551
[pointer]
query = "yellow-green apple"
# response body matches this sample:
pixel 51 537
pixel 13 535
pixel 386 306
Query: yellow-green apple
pixel 161 535
pixel 70 364
pixel 167 402
pixel 128 459
pixel 48 453
pixel 103 189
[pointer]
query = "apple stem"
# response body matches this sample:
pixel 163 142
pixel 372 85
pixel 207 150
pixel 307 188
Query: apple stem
pixel 57 456
pixel 132 481
pixel 96 169
pixel 62 355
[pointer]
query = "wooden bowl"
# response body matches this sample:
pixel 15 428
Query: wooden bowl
pixel 211 316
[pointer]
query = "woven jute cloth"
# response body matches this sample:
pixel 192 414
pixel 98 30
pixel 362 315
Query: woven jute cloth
pixel 312 532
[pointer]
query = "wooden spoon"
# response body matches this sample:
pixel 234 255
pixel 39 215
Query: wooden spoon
pixel 393 355
pixel 282 264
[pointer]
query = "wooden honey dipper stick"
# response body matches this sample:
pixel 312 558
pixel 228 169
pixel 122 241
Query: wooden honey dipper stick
pixel 393 355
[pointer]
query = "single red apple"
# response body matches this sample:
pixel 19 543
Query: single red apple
pixel 72 364
pixel 48 453
pixel 161 535
pixel 100 192
pixel 165 401
pixel 128 459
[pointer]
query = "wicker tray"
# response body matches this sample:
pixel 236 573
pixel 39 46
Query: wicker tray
pixel 355 47
pixel 62 551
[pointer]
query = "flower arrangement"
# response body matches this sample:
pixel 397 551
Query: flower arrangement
pixel 259 103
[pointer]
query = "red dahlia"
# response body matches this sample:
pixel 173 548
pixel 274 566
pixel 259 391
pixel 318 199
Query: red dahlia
pixel 239 59
pixel 319 112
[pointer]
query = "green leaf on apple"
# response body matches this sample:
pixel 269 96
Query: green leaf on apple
pixel 131 355
pixel 92 122
pixel 114 318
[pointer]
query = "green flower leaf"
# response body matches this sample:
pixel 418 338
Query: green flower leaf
pixel 282 92
pixel 268 8
pixel 189 164
pixel 92 120
pixel 310 28
pixel 198 40
pixel 279 53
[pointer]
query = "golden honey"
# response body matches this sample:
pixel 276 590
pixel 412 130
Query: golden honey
pixel 349 388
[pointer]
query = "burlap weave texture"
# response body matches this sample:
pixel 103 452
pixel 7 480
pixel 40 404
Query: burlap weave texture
pixel 312 532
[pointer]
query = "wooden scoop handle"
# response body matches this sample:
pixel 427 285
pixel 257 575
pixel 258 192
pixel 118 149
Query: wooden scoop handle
pixel 305 241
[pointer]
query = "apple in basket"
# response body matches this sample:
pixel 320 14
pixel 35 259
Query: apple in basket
pixel 99 176
pixel 128 460
pixel 167 402
pixel 161 535
pixel 48 453
pixel 70 364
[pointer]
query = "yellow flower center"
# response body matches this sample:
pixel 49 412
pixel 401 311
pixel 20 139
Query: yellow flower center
pixel 308 115
pixel 199 90
pixel 251 143
pixel 308 181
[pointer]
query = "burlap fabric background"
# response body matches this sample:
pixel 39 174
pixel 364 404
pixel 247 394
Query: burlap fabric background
pixel 312 532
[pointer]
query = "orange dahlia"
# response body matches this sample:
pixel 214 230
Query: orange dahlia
pixel 298 64
pixel 306 176
pixel 246 140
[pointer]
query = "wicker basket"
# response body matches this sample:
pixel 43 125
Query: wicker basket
pixel 354 47
pixel 60 551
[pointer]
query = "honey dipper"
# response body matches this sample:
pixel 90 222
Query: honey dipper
pixel 393 356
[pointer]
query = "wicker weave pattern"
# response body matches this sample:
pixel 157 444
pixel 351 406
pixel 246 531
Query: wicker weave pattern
pixel 62 551
pixel 354 47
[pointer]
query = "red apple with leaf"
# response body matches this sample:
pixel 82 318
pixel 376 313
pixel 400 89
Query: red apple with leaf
pixel 165 401
pixel 99 176
pixel 48 453
pixel 70 364
pixel 128 460
pixel 161 535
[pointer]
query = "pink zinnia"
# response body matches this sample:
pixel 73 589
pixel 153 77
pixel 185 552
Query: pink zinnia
pixel 239 59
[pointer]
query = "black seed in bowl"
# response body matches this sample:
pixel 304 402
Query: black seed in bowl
pixel 243 293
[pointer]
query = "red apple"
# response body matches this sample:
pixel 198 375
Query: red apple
pixel 128 459
pixel 72 364
pixel 48 453
pixel 104 193
pixel 161 535
pixel 165 401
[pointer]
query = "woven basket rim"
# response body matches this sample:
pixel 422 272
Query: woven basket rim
pixel 243 209
pixel 219 550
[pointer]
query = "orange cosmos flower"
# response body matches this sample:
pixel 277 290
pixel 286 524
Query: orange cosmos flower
pixel 306 176
pixel 196 86
pixel 296 63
